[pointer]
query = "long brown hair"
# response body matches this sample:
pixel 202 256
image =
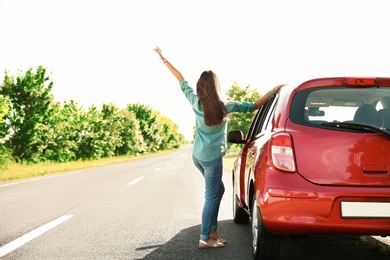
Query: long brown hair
pixel 207 90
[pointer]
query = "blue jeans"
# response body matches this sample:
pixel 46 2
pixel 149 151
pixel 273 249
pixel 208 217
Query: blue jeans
pixel 212 173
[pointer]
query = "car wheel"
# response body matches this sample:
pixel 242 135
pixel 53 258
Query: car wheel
pixel 264 244
pixel 239 215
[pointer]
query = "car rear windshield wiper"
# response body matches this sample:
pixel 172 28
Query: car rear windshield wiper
pixel 359 127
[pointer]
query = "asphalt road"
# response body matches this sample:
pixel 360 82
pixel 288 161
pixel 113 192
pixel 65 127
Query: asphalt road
pixel 144 209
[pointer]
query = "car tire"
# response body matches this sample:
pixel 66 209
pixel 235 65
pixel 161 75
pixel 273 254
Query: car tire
pixel 239 215
pixel 264 244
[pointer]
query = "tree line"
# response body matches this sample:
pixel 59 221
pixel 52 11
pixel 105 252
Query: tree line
pixel 35 128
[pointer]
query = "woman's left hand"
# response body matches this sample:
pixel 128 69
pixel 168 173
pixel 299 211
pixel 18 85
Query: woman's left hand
pixel 276 89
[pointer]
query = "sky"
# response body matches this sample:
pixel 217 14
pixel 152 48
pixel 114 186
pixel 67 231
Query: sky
pixel 99 52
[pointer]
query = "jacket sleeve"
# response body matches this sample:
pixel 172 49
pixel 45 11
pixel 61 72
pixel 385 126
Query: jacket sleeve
pixel 188 92
pixel 235 106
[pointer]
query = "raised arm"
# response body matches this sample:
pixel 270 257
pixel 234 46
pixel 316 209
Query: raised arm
pixel 264 99
pixel 172 69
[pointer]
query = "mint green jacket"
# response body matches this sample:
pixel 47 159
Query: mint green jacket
pixel 210 141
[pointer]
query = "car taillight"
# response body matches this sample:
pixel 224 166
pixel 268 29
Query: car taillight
pixel 282 152
pixel 360 82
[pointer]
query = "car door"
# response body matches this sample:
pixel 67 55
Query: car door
pixel 240 167
pixel 254 147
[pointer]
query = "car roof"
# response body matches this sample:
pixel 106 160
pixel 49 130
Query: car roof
pixel 345 81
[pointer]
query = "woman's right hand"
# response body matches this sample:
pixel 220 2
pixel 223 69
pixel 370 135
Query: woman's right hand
pixel 158 50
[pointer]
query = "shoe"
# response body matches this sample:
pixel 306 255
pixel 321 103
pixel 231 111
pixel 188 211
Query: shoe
pixel 219 240
pixel 210 243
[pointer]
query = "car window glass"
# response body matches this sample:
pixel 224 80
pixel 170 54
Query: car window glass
pixel 379 106
pixel 265 116
pixel 267 123
pixel 254 124
pixel 313 107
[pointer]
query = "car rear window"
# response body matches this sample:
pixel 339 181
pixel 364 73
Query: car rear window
pixel 370 105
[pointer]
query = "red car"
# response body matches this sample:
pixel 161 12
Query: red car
pixel 316 160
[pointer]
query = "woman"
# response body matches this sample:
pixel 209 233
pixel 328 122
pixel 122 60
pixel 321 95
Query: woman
pixel 210 142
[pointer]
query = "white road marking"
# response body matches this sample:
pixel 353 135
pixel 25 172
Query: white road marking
pixel 158 169
pixel 136 180
pixel 11 246
pixel 39 178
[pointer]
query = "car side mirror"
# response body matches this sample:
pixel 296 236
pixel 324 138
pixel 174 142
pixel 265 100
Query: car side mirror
pixel 236 137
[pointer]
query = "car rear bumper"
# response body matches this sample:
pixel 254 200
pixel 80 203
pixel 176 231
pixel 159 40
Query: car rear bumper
pixel 297 207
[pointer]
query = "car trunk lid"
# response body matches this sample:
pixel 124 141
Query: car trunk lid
pixel 333 157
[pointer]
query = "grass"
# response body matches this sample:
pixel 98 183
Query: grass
pixel 16 171
pixel 230 157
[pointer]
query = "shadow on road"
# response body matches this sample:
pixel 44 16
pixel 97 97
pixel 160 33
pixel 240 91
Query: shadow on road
pixel 184 246
pixel 338 247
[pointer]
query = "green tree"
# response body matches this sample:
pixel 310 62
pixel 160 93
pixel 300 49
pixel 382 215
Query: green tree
pixel 29 96
pixel 44 136
pixel 169 131
pixel 88 142
pixel 4 108
pixel 34 128
pixel 110 133
pixel 58 138
pixel 132 141
pixel 149 125
pixel 241 121
pixel 68 125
